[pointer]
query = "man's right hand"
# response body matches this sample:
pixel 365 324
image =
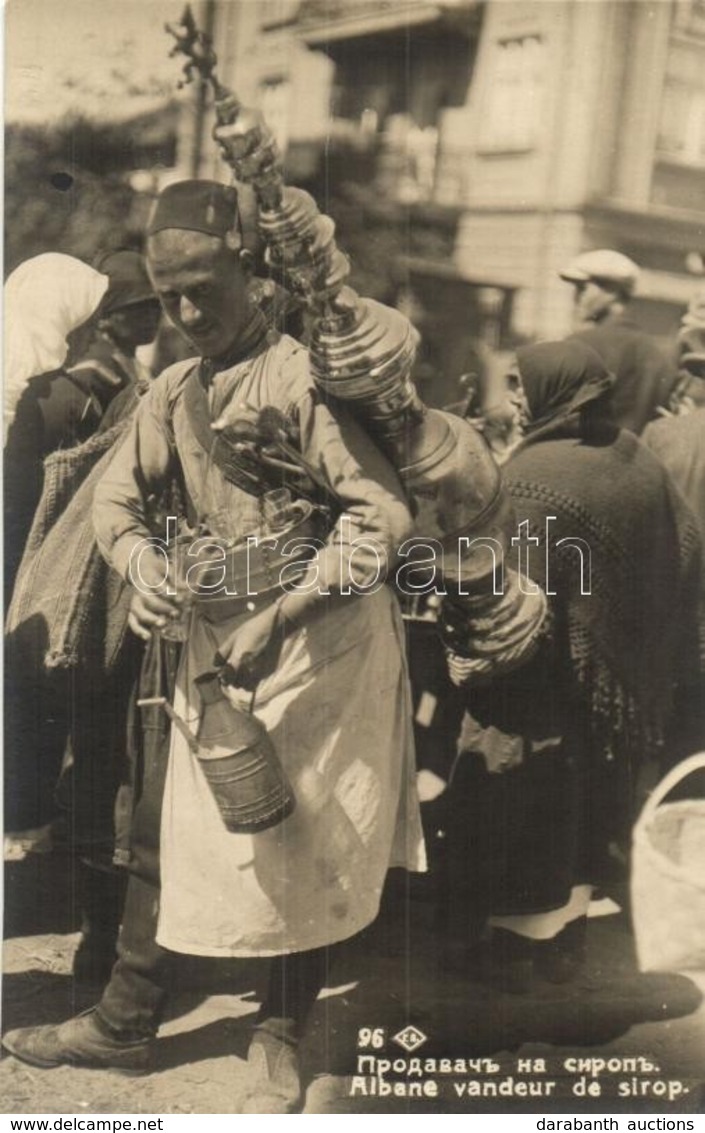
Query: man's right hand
pixel 152 607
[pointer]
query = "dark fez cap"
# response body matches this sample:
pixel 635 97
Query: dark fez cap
pixel 197 206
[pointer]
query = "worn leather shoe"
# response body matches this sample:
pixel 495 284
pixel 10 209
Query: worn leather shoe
pixel 83 1041
pixel 274 1076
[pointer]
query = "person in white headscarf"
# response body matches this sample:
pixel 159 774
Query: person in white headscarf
pixel 51 302
pixel 46 300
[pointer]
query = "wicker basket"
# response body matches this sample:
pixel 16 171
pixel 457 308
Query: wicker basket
pixel 668 878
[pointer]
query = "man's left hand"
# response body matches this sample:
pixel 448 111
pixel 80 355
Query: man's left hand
pixel 252 652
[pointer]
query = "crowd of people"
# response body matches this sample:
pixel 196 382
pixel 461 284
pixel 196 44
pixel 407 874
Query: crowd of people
pixel 536 771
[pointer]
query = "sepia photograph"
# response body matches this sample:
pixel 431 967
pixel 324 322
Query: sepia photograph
pixel 354 561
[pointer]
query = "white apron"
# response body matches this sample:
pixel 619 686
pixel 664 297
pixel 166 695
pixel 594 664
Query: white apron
pixel 338 711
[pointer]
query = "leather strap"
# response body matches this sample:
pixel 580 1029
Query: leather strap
pixel 238 469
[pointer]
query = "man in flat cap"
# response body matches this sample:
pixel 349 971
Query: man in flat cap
pixel 604 282
pixel 678 440
pixel 129 317
pixel 322 663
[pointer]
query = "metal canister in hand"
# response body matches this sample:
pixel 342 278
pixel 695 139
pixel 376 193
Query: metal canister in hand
pixel 240 763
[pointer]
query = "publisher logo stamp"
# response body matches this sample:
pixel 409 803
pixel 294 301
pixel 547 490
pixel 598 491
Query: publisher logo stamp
pixel 410 1039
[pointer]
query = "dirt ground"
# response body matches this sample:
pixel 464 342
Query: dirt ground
pixel 396 974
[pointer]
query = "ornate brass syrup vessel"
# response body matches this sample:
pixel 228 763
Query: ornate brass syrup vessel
pixel 361 354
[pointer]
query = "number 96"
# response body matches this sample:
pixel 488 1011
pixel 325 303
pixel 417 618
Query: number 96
pixel 370 1037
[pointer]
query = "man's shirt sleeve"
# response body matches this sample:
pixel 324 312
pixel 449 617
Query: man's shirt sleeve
pixel 141 468
pixel 363 546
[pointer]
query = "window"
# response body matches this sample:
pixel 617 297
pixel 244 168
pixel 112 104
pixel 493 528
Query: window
pixel 689 16
pixel 682 129
pixel 512 117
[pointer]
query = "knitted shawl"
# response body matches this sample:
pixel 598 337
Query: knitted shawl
pixel 628 636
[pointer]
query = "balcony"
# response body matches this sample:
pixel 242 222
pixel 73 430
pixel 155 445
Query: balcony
pixel 322 22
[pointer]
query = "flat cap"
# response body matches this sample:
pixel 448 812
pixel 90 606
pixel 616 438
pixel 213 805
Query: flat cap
pixel 691 347
pixel 603 266
pixel 128 281
pixel 197 206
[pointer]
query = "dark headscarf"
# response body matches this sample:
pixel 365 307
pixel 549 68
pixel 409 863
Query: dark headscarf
pixel 559 380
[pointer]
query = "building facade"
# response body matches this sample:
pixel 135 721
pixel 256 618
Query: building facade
pixel 479 146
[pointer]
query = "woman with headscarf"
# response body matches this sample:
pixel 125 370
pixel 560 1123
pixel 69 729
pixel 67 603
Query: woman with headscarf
pixel 559 744
pixel 66 614
pixel 51 302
